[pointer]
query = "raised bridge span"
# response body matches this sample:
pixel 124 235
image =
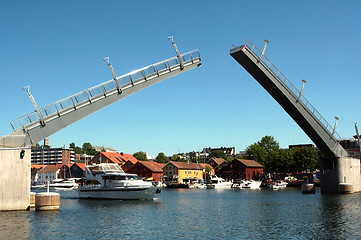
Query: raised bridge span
pixel 15 151
pixel 291 99
pixel 339 172
pixel 41 123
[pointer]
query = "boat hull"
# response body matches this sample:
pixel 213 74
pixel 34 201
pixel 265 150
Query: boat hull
pixel 219 186
pixel 121 193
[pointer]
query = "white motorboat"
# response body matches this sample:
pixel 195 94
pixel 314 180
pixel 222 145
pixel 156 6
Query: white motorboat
pixel 64 184
pixel 109 181
pixel 218 183
pixel 277 185
pixel 251 184
pixel 282 184
pixel 59 184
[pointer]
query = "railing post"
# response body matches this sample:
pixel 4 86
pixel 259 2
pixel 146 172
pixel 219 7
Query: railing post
pixel 106 59
pixel 334 129
pixel 358 138
pixel 26 89
pixel 264 49
pixel 303 85
pixel 178 54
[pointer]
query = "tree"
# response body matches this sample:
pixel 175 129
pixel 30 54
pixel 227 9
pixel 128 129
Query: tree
pixel 87 148
pixel 162 158
pixel 140 156
pixel 75 148
pixel 175 157
pixel 218 154
pixel 304 159
pixel 266 152
pixel 208 171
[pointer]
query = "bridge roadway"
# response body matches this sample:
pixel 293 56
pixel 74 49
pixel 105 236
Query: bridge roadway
pixel 291 100
pixel 34 127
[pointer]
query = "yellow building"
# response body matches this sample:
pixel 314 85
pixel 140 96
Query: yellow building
pixel 183 172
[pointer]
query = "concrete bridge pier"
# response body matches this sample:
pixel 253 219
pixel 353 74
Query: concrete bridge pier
pixel 15 178
pixel 345 170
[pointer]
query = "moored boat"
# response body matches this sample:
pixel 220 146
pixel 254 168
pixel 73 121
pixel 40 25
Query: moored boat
pixel 218 183
pixel 278 184
pixel 59 184
pixel 251 184
pixel 109 181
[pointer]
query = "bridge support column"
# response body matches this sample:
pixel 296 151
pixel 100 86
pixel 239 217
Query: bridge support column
pixel 14 178
pixel 346 170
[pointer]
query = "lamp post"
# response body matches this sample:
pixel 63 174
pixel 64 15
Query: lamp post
pixel 303 85
pixel 264 49
pixel 334 129
pixel 178 54
pixel 106 59
pixel 26 89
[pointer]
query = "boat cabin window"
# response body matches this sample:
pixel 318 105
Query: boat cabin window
pixel 120 177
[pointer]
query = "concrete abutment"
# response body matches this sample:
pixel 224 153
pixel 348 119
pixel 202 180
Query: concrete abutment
pixel 15 178
pixel 346 172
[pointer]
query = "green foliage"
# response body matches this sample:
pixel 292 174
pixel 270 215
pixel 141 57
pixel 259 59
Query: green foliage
pixel 262 151
pixel 175 157
pixel 267 152
pixel 162 158
pixel 140 156
pixel 87 148
pixel 304 159
pixel 75 148
pixel 218 154
pixel 208 169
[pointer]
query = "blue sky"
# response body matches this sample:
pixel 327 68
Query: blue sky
pixel 56 48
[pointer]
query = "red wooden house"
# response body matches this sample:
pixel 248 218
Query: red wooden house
pixel 148 169
pixel 242 169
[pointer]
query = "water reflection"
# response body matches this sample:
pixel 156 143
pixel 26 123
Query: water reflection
pixel 14 225
pixel 341 215
pixel 194 214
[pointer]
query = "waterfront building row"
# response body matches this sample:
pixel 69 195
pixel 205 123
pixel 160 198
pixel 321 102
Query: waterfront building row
pixel 172 172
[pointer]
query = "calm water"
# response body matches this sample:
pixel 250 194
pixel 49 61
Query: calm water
pixel 194 214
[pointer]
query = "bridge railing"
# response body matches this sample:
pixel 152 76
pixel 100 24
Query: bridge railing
pixel 282 79
pixel 125 81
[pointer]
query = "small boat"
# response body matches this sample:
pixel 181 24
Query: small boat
pixel 281 184
pixel 273 186
pixel 64 184
pixel 59 184
pixel 278 184
pixel 109 181
pixel 218 183
pixel 251 184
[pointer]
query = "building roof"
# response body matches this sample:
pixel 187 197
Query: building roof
pixel 114 157
pixel 186 165
pixel 153 166
pixel 51 168
pixel 219 161
pixel 128 157
pixel 37 166
pixel 250 163
pixel 80 165
pixel 203 165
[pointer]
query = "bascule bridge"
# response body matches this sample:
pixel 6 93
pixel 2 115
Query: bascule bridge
pixel 15 152
pixel 338 167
